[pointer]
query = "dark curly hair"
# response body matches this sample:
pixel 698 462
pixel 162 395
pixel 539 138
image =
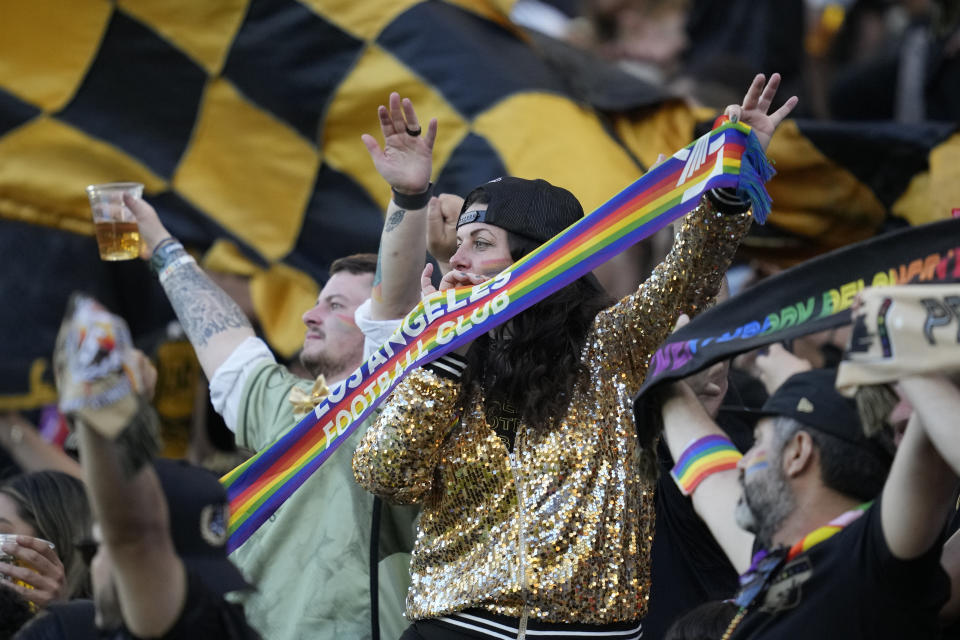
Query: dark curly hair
pixel 533 360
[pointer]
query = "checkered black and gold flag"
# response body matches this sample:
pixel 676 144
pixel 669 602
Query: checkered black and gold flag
pixel 243 119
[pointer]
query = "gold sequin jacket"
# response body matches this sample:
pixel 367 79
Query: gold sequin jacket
pixel 560 529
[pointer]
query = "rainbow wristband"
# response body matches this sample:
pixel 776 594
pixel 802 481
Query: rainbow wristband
pixel 701 458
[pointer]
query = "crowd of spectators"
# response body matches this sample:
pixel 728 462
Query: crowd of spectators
pixel 502 490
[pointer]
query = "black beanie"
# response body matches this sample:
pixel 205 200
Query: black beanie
pixel 533 209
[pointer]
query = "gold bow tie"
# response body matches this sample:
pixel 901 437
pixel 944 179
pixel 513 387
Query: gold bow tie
pixel 304 402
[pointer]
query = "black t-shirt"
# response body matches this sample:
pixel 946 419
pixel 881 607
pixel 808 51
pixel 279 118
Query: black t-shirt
pixel 851 586
pixel 206 615
pixel 66 621
pixel 687 566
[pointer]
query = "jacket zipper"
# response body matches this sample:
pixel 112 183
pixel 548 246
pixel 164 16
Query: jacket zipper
pixel 515 468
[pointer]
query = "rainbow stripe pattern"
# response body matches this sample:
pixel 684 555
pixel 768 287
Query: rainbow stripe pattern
pixel 729 156
pixel 705 456
pixel 828 530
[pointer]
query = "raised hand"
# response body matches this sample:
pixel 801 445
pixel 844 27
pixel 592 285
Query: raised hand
pixel 756 104
pixel 774 365
pixel 406 159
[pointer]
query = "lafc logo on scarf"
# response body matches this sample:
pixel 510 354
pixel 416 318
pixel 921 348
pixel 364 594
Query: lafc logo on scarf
pixel 697 157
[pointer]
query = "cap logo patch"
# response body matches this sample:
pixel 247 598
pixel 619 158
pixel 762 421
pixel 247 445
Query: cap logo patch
pixel 805 406
pixel 475 215
pixel 213 524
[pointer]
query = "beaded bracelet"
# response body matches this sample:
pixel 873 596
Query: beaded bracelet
pixel 704 457
pixel 412 201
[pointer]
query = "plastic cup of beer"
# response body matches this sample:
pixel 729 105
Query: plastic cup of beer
pixel 118 236
pixel 5 557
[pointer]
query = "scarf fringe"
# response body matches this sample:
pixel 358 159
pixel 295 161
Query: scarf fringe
pixel 755 171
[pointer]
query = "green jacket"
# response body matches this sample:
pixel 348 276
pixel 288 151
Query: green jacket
pixel 310 561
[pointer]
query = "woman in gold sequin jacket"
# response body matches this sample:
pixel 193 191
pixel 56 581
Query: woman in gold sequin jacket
pixel 521 448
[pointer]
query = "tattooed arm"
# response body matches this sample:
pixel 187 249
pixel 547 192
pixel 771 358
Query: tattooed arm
pixel 396 285
pixel 405 162
pixel 213 322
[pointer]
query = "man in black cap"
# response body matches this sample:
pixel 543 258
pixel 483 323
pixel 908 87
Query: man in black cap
pixel 842 548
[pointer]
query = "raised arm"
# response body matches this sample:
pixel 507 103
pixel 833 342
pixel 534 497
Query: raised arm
pixel 920 489
pixel 691 274
pixel 715 498
pixel 213 322
pixel 28 448
pixel 132 514
pixel 756 105
pixel 405 163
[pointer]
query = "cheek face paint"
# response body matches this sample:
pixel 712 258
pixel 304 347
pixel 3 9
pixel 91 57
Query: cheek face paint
pixel 493 266
pixel 759 463
pixel 346 321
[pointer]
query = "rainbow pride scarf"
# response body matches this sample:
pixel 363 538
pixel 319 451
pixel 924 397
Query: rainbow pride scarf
pixel 728 156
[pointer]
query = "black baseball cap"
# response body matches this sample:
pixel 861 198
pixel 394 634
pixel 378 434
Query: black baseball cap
pixel 533 209
pixel 811 398
pixel 199 516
